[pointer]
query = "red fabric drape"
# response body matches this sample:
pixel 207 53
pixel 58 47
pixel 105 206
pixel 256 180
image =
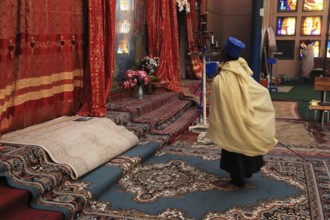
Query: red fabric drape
pixel 194 64
pixel 100 56
pixel 163 42
pixel 41 60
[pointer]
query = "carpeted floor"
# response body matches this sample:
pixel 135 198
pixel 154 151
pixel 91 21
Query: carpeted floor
pixel 156 120
pixel 183 181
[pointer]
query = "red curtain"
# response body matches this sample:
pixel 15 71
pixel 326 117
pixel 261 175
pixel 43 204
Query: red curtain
pixel 100 56
pixel 163 42
pixel 194 65
pixel 41 60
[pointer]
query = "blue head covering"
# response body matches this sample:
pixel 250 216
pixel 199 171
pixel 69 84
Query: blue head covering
pixel 234 47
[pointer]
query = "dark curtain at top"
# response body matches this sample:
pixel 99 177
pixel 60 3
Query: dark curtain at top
pixel 100 56
pixel 41 60
pixel 163 41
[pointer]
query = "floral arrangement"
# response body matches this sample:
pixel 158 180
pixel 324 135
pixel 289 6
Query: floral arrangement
pixel 142 73
pixel 136 77
pixel 149 64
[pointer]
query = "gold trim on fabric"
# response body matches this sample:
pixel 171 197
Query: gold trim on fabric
pixel 43 93
pixel 39 81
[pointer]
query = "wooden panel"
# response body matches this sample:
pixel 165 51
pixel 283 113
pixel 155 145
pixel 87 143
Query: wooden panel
pixel 322 84
pixel 320 107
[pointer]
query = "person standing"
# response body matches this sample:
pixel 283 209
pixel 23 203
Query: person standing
pixel 241 116
pixel 307 63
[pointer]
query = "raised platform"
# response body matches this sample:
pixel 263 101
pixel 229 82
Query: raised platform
pixel 156 120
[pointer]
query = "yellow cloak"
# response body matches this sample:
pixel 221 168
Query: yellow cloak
pixel 242 116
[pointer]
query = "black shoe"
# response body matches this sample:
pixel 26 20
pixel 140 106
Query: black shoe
pixel 237 182
pixel 249 175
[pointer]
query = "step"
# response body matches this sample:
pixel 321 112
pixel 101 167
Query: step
pixel 182 123
pixel 14 205
pixel 164 113
pixel 139 107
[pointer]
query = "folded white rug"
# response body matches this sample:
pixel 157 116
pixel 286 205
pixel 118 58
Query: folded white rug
pixel 80 142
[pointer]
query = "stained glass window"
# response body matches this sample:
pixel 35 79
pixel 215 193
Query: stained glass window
pixel 123 46
pixel 313 5
pixel 286 26
pixel 125 27
pixel 287 5
pixel 316 45
pixel 311 25
pixel 124 5
pixel 130 36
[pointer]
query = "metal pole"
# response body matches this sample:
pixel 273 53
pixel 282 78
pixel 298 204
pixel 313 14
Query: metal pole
pixel 255 51
pixel 323 94
pixel 204 90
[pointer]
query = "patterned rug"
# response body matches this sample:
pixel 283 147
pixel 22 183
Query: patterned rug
pixel 182 181
pixel 286 110
pixel 178 182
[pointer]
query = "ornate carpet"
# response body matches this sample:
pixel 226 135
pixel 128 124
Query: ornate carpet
pixel 177 181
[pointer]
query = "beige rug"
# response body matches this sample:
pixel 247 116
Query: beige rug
pixel 293 133
pixel 284 88
pixel 286 110
pixel 82 144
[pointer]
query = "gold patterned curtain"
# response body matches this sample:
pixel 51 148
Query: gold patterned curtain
pixel 41 60
pixel 100 56
pixel 163 42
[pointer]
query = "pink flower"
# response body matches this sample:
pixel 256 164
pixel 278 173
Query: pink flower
pixel 133 82
pixel 127 85
pixel 141 74
pixel 130 74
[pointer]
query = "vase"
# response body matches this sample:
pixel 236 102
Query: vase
pixel 140 92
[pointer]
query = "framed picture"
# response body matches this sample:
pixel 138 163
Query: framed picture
pixel 313 5
pixel 311 25
pixel 287 5
pixel 286 26
pixel 316 45
pixel 285 49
